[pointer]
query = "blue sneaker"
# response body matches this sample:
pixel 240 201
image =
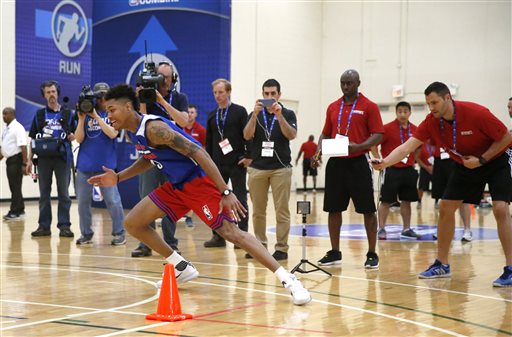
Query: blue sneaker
pixel 437 270
pixel 505 280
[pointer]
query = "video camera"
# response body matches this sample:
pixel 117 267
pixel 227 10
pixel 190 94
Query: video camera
pixel 86 100
pixel 149 80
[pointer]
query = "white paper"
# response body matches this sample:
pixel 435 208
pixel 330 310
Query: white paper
pixel 335 147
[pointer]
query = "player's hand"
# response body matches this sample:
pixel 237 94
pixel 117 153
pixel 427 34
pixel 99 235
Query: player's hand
pixel 107 179
pixel 233 206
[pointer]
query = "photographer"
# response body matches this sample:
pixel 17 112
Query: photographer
pixel 97 140
pixel 172 105
pixel 51 133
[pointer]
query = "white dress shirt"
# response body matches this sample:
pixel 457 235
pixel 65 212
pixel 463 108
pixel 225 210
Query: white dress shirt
pixel 13 137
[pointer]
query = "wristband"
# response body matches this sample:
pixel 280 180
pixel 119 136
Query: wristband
pixel 482 160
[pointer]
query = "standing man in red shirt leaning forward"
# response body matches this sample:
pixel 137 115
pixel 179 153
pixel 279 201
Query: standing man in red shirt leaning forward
pixel 479 144
pixel 356 117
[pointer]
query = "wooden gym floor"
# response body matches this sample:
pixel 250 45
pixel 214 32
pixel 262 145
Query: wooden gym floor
pixel 51 287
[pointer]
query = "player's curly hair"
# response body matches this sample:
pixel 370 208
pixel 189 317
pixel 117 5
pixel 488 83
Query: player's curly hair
pixel 123 91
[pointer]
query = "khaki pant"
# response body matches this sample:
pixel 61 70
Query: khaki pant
pixel 259 182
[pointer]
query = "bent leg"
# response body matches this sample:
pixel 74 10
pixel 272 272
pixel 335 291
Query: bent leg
pixel 249 243
pixel 446 227
pixel 138 221
pixel 502 215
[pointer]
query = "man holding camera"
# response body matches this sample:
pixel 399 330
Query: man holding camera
pixel 51 133
pixel 172 105
pixel 271 127
pixel 226 145
pixel 97 140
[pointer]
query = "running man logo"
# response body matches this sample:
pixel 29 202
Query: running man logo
pixel 207 212
pixel 70 28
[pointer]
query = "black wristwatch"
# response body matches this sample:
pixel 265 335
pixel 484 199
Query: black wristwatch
pixel 482 160
pixel 227 192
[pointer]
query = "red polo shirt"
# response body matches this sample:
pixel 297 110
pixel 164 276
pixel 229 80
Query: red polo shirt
pixel 309 149
pixel 477 128
pixel 198 132
pixel 366 120
pixel 391 140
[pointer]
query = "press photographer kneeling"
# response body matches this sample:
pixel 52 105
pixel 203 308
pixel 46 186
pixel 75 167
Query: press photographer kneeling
pixel 98 143
pixel 51 133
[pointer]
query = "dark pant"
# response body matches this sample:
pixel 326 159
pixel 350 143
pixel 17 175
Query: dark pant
pixel 46 167
pixel 238 176
pixel 15 177
pixel 148 182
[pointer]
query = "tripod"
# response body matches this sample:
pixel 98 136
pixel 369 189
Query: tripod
pixel 304 262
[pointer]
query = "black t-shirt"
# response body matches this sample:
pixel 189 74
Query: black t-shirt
pixel 282 152
pixel 234 123
pixel 177 100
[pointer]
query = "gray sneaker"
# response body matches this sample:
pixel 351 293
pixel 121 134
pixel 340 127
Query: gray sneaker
pixel 84 240
pixel 381 234
pixel 409 234
pixel 118 240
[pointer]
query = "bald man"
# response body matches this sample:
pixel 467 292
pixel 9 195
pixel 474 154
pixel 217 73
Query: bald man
pixel 350 177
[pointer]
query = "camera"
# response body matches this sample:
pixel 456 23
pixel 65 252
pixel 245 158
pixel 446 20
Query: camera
pixel 303 207
pixel 149 80
pixel 86 100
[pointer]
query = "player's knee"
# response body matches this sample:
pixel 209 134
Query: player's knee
pixel 500 208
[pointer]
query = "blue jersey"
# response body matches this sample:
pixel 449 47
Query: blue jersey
pixel 97 148
pixel 177 168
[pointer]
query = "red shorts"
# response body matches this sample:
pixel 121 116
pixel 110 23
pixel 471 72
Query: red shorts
pixel 200 195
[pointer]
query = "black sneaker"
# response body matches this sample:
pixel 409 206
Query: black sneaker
pixel 84 240
pixel 66 233
pixel 141 251
pixel 215 241
pixel 12 216
pixel 330 258
pixel 40 231
pixel 372 261
pixel 279 255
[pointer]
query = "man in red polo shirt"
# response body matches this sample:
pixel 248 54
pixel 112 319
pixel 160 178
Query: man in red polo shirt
pixel 399 179
pixel 193 128
pixel 309 150
pixel 356 117
pixel 479 144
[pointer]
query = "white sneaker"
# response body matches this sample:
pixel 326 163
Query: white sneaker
pixel 300 294
pixel 467 236
pixel 184 272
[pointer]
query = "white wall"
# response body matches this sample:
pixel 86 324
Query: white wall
pixel 307 45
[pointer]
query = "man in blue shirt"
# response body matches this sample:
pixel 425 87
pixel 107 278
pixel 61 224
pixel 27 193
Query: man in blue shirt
pixel 97 140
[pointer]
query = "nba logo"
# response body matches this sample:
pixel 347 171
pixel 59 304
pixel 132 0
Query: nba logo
pixel 207 212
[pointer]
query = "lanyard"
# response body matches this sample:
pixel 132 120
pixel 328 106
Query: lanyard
pixel 46 114
pixel 402 133
pixel 349 116
pixel 221 121
pixel 454 128
pixel 268 131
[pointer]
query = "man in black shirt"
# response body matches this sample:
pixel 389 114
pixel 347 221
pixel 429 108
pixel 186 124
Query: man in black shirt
pixel 226 145
pixel 271 127
pixel 172 105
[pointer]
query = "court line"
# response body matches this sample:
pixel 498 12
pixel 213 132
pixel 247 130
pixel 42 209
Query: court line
pixel 203 283
pixel 150 299
pixel 263 268
pixel 274 327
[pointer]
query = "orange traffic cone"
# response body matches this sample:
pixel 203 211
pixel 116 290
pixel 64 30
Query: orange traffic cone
pixel 169 307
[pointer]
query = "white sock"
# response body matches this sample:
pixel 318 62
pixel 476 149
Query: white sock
pixel 282 274
pixel 174 258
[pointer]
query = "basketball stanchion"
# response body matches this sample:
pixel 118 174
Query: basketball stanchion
pixel 304 208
